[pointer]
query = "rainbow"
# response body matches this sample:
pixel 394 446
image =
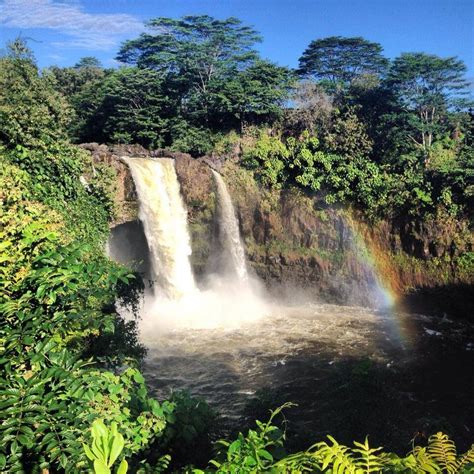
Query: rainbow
pixel 386 287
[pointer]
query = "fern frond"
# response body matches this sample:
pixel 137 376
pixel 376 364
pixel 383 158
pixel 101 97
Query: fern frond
pixel 424 461
pixel 443 451
pixel 368 461
pixel 338 456
pixel 466 460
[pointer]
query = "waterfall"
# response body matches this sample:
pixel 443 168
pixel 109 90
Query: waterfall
pixel 229 234
pixel 164 219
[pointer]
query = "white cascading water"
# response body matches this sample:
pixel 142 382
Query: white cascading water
pixel 229 232
pixel 164 220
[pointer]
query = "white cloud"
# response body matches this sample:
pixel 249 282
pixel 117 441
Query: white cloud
pixel 95 31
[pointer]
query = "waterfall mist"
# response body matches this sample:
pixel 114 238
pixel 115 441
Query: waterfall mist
pixel 229 297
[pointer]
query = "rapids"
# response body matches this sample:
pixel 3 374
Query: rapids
pixel 352 371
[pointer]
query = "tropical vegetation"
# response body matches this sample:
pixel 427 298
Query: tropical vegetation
pixel 392 138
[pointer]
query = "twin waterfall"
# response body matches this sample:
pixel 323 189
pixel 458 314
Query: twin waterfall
pixel 164 219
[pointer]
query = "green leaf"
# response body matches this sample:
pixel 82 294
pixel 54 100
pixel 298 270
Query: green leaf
pixel 265 454
pixel 116 448
pixel 138 377
pixel 88 452
pixel 100 467
pixel 123 468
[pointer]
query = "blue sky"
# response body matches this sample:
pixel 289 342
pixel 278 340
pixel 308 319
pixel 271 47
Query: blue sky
pixel 62 31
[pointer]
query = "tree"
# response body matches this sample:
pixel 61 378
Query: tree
pixel 211 71
pixel 32 112
pixel 312 109
pixel 339 60
pixel 347 136
pixel 88 62
pixel 128 107
pixel 193 50
pixel 80 85
pixel 257 92
pixel 426 86
pixel 72 80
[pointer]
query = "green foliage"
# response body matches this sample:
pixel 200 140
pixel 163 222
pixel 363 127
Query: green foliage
pixel 197 141
pixel 105 448
pixel 88 62
pixel 217 46
pixel 340 177
pixel 32 112
pixel 254 452
pixel 45 413
pixel 208 77
pixel 226 144
pixel 340 60
pixel 192 419
pixel 262 451
pixel 347 136
pixel 128 106
pixel 57 178
pixel 312 110
pixel 256 93
pixel 72 80
pixel 54 296
pixel 465 265
pixel 267 157
pixel 59 292
pixel 427 86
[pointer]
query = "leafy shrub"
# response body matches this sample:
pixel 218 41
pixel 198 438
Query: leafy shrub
pixel 197 141
pixel 255 452
pixel 226 145
pixel 105 448
pixel 187 437
pixel 261 450
pixel 340 178
pixel 268 159
pixel 45 415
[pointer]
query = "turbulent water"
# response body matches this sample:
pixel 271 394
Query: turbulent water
pixel 229 233
pixel 352 371
pixel 164 218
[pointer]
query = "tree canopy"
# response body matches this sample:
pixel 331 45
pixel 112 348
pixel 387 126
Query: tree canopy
pixel 195 48
pixel 210 69
pixel 428 86
pixel 31 109
pixel 339 60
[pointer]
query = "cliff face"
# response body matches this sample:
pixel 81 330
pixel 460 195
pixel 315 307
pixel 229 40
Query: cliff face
pixel 295 245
